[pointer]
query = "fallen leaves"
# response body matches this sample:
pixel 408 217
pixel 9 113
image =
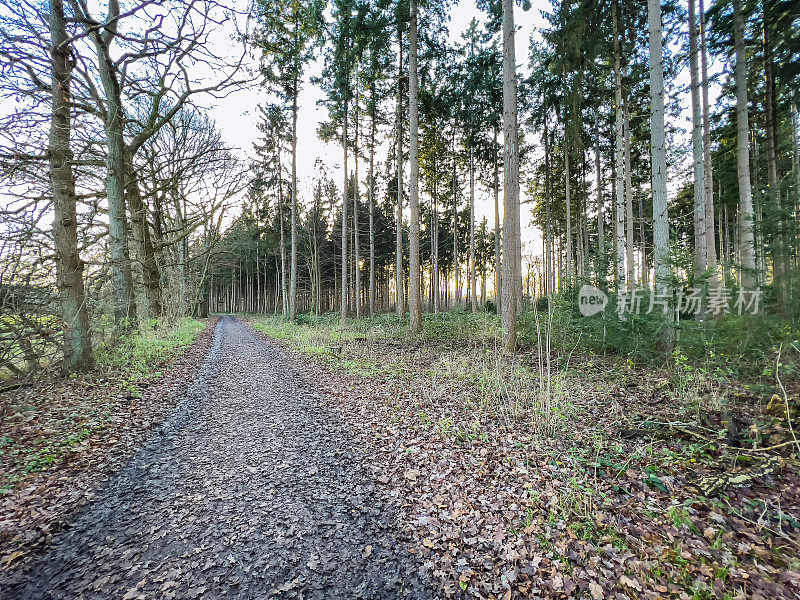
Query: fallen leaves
pixel 90 426
pixel 506 515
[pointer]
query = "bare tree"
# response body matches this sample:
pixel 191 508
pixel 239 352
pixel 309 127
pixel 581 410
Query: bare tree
pixel 157 47
pixel 69 267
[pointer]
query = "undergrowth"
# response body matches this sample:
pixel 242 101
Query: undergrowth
pixel 39 429
pixel 155 342
pixel 733 347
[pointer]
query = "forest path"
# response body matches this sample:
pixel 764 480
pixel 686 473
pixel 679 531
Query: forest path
pixel 251 489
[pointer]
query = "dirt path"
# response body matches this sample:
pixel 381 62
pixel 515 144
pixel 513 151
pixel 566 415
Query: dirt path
pixel 252 489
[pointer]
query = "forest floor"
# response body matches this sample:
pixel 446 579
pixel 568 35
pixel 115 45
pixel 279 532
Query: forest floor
pixel 61 440
pixel 315 460
pixel 618 482
pixel 251 488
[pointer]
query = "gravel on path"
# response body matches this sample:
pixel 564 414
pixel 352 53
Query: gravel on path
pixel 253 488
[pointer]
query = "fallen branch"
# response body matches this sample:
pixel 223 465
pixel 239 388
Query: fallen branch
pixel 712 485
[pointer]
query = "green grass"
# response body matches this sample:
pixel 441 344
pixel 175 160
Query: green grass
pixel 730 347
pixel 156 342
pixel 328 329
pixel 129 362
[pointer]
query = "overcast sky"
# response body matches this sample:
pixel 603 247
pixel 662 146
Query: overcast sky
pixel 235 116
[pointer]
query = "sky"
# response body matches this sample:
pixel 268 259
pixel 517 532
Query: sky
pixel 236 116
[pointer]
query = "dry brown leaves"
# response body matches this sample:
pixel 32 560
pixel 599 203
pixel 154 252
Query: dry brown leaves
pixel 499 514
pixel 69 436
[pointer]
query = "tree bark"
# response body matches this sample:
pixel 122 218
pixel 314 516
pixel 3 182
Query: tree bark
pixel 700 239
pixel 151 277
pixel 400 303
pixel 284 290
pixel 498 266
pixel 69 267
pixel 344 218
pixel 435 242
pixel 778 250
pixel 708 168
pixel 414 278
pixel 114 124
pixel 372 198
pixel 630 245
pixel 356 244
pixel 568 207
pixel 456 263
pixel 293 266
pixel 601 242
pixel 472 279
pixel 746 215
pixel 619 170
pixel 548 234
pixel 658 149
pixel 511 273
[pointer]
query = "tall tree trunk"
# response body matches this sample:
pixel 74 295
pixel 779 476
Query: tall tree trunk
pixel 658 150
pixel 258 275
pixel 293 267
pixel 435 241
pixel 795 177
pixel 700 239
pixel 643 243
pixel 708 169
pixel 400 303
pixel 456 263
pixel 619 170
pixel 472 279
pixel 746 216
pixel 356 243
pixel 69 267
pixel 121 278
pixel 318 200
pixel 372 202
pixel 568 205
pixel 151 277
pixel 548 234
pixel 511 272
pixel 630 245
pixel 601 238
pixel 778 250
pixel 284 289
pixel 344 218
pixel 414 277
pixel 182 250
pixel 498 266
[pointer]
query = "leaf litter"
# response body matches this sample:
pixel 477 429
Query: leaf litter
pixel 496 511
pixel 252 488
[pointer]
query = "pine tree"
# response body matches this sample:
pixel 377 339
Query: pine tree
pixel 658 152
pixel 414 278
pixel 700 243
pixel 288 31
pixel 511 231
